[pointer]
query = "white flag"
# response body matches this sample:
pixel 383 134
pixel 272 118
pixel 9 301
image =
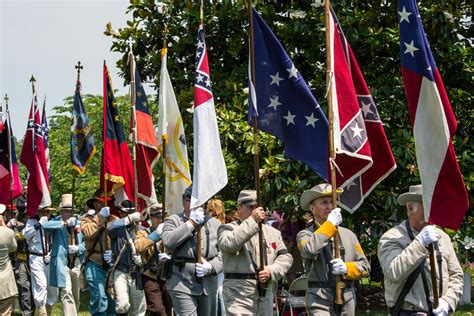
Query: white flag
pixel 210 172
pixel 171 132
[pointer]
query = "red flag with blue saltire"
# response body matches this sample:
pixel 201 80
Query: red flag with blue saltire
pixel 147 144
pixel 8 164
pixel 116 164
pixel 209 171
pixel 363 154
pixel 33 156
pixel 445 198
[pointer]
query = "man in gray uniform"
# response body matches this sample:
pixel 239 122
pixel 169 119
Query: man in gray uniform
pixel 316 246
pixel 239 243
pixel 191 285
pixel 403 255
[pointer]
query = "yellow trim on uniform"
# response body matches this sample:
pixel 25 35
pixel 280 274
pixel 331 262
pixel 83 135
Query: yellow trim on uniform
pixel 327 228
pixel 353 272
pixel 358 248
pixel 301 244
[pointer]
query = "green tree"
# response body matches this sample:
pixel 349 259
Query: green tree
pixel 371 27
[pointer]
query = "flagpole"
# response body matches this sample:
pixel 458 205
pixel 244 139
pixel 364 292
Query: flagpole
pixel 199 233
pixel 163 138
pixel 106 194
pixel 261 287
pixel 9 149
pixel 332 153
pixel 134 124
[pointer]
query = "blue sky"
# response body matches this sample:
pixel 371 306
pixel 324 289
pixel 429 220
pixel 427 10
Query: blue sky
pixel 46 39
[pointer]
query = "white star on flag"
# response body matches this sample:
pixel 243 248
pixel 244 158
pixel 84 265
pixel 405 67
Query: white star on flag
pixel 199 78
pixel 276 79
pixel 404 15
pixel 311 120
pixel 274 103
pixel 366 109
pixel 293 71
pixel 357 131
pixel 289 119
pixel 200 44
pixel 410 48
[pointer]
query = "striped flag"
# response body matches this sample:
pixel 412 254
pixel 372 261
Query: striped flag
pixel 363 154
pixel 34 158
pixel 147 145
pixel 209 170
pixel 171 136
pixel 8 167
pixel 116 164
pixel 445 198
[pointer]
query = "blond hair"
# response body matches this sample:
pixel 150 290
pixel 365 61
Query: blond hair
pixel 215 208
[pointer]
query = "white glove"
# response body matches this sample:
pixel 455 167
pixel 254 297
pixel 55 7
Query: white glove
pixel 137 260
pixel 108 257
pixel 163 257
pixel 197 215
pixel 46 259
pixel 203 269
pixel 71 221
pixel 43 220
pixel 12 223
pixel 442 309
pixel 105 212
pixel 91 212
pixel 427 235
pixel 134 217
pixel 335 217
pixel 159 229
pixel 338 266
pixel 72 249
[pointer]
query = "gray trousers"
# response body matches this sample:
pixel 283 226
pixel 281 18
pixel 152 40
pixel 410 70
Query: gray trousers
pixel 23 283
pixel 193 305
pixel 320 302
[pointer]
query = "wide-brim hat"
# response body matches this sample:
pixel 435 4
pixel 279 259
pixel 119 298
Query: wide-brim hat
pixel 66 202
pixel 99 197
pixel 126 206
pixel 2 208
pixel 316 192
pixel 247 197
pixel 47 208
pixel 414 194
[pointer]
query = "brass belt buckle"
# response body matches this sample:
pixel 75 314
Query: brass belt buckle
pixel 342 284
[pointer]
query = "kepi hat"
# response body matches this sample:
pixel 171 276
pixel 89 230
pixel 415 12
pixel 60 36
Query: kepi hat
pixel 316 192
pixel 126 206
pixel 414 194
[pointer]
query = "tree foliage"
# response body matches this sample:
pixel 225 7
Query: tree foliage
pixel 371 27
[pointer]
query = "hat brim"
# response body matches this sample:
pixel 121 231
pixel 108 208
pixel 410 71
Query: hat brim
pixel 90 202
pixel 50 209
pixel 404 198
pixel 309 196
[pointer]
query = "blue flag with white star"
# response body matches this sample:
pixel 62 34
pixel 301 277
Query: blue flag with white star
pixel 283 103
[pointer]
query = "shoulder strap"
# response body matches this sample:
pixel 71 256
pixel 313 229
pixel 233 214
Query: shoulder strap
pixel 91 249
pixel 406 288
pixel 422 272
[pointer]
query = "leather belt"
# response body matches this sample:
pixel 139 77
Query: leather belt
pixel 179 260
pixel 21 256
pixel 317 284
pixel 240 276
pixel 36 254
pixel 407 312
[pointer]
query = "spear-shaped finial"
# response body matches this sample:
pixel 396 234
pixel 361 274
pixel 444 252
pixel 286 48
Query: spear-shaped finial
pixel 79 67
pixel 33 80
pixel 130 43
pixel 6 98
